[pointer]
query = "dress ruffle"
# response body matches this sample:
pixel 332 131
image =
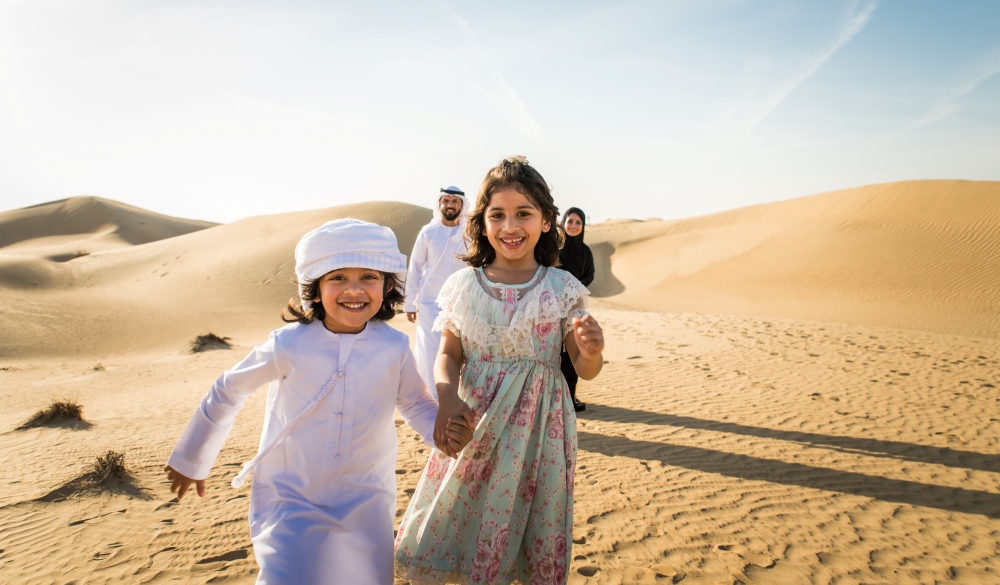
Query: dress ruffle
pixel 425 576
pixel 558 298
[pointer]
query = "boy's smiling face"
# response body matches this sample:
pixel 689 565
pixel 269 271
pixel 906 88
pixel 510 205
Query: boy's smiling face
pixel 350 297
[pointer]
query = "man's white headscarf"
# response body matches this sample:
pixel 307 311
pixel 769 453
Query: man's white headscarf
pixel 466 211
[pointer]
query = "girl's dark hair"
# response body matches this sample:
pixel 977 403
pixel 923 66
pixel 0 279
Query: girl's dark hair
pixel 514 172
pixel 294 313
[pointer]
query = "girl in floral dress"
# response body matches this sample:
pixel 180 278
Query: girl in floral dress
pixel 502 511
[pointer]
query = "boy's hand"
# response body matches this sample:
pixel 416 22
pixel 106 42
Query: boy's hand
pixel 589 336
pixel 181 483
pixel 460 431
pixel 455 421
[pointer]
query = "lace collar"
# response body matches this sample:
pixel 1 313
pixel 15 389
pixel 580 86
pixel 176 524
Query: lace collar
pixel 509 293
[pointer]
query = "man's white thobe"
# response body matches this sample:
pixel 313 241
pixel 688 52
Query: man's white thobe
pixel 433 260
pixel 323 501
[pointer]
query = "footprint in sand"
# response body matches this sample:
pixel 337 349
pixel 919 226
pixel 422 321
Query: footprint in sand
pixel 230 556
pixel 754 558
pixel 665 572
pixel 103 555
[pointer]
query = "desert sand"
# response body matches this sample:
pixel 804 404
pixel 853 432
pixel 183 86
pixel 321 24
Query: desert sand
pixel 798 392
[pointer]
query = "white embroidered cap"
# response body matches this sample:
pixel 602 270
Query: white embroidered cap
pixel 347 243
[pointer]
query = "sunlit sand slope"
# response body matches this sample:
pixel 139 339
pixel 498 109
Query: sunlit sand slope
pixel 916 254
pixel 232 279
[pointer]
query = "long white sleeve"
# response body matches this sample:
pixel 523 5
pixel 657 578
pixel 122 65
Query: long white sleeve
pixel 415 273
pixel 205 434
pixel 414 402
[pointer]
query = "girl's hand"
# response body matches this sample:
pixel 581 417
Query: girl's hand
pixel 589 337
pixel 181 483
pixel 453 426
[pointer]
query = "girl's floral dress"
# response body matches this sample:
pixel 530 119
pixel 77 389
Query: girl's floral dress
pixel 503 511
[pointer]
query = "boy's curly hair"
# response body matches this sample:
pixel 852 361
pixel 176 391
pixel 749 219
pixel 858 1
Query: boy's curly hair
pixel 515 172
pixel 294 313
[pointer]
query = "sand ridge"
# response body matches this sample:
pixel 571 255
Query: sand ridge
pixel 235 277
pixel 916 254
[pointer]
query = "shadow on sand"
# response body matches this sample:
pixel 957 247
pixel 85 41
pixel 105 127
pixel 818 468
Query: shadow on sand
pixel 605 284
pixel 780 472
pixel 855 445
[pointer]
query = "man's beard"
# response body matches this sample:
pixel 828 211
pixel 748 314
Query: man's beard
pixel 451 214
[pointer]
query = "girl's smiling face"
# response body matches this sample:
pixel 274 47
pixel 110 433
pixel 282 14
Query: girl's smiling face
pixel 573 225
pixel 513 225
pixel 350 297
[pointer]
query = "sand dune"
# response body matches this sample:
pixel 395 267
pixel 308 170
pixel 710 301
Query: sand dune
pixel 916 255
pixel 101 222
pixel 234 278
pixel 799 392
pixel 37 242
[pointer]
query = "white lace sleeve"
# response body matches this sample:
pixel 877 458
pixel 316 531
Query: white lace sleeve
pixel 452 300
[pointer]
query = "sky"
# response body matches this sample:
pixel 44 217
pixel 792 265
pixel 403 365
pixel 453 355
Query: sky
pixel 220 110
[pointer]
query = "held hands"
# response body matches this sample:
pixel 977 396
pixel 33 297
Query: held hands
pixel 411 316
pixel 181 483
pixel 454 426
pixel 589 337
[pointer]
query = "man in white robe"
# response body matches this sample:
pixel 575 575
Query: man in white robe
pixel 433 260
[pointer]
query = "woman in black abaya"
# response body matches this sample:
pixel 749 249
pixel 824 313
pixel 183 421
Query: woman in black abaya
pixel 577 259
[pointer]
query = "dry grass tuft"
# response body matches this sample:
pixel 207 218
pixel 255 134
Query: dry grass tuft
pixel 60 410
pixel 209 341
pixel 108 467
pixel 107 475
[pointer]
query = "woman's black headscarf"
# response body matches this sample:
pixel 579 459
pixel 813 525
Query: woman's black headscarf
pixel 575 257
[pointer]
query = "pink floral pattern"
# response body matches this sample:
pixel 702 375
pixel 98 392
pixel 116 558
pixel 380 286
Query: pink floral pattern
pixel 503 511
pixel 509 301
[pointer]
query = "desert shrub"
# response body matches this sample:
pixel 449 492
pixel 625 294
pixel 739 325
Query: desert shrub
pixel 209 341
pixel 60 410
pixel 107 467
pixel 108 474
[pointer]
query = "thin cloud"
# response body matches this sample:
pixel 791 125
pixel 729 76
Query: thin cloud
pixel 948 107
pixel 497 92
pixel 504 100
pixel 280 111
pixel 858 17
